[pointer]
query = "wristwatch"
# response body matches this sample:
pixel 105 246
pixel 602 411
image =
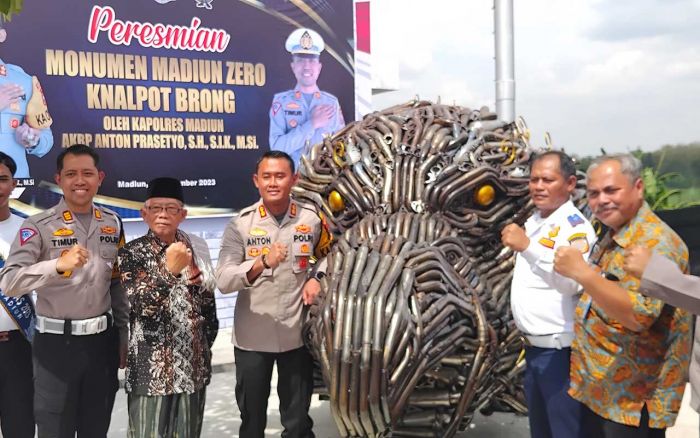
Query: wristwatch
pixel 264 261
pixel 318 275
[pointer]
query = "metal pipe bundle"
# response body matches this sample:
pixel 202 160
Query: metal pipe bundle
pixel 413 331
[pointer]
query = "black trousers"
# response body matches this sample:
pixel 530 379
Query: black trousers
pixel 596 426
pixel 294 387
pixel 75 381
pixel 16 387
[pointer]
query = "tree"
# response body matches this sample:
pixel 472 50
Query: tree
pixel 656 191
pixel 10 7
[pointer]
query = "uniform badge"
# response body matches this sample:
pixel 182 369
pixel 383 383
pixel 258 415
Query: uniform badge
pixel 67 216
pixel 62 232
pixel 303 262
pixel 98 215
pixel 579 241
pixel 306 42
pixel 303 228
pixel 276 107
pixel 262 211
pixel 317 95
pixel 14 123
pixel 3 70
pixel 292 106
pixel 25 234
pixel 66 274
pixel 293 123
pixel 575 219
pixel 108 230
pixel 293 210
pixel 325 241
pixel 266 250
pixel 305 248
pixel 254 252
pixel 258 232
pixel 297 94
pixel 554 232
pixel 547 243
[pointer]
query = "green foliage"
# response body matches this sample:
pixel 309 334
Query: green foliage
pixel 671 175
pixel 10 7
pixel 657 190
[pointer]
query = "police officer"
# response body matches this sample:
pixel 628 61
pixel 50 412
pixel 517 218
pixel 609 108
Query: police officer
pixel 24 116
pixel 265 255
pixel 543 301
pixel 68 254
pixel 16 324
pixel 301 116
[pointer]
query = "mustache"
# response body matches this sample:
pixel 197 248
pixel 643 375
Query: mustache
pixel 605 208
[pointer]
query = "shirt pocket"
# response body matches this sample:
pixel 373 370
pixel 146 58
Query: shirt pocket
pixel 301 251
pixel 108 256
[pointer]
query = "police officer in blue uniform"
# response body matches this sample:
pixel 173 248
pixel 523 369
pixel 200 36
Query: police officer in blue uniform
pixel 300 117
pixel 24 117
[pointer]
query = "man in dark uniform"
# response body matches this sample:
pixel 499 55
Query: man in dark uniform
pixel 68 255
pixel 265 256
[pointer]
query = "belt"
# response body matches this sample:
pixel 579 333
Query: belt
pixel 80 327
pixel 556 340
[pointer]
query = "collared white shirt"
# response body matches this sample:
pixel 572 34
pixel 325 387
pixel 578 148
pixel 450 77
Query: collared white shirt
pixel 543 301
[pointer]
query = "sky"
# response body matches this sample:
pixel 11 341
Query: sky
pixel 618 74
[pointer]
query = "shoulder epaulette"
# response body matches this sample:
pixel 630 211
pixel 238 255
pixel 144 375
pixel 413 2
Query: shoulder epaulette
pixel 44 216
pixel 329 95
pixel 307 205
pixel 247 210
pixel 15 68
pixel 282 94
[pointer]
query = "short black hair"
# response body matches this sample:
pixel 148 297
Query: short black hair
pixel 275 154
pixel 77 149
pixel 9 162
pixel 567 167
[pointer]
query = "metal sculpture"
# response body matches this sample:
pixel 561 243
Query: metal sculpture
pixel 413 331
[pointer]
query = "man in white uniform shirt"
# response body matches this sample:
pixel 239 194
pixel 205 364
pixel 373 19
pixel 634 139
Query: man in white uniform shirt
pixel 542 301
pixel 16 324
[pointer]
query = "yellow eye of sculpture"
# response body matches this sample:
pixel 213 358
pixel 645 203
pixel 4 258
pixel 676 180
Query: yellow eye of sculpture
pixel 335 201
pixel 485 195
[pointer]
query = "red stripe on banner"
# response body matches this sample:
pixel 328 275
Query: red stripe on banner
pixel 362 23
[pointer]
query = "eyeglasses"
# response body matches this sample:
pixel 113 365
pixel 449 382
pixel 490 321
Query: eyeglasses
pixel 170 209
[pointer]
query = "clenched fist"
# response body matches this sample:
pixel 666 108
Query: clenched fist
pixel 177 257
pixel 513 236
pixel 76 257
pixel 636 260
pixel 277 254
pixel 569 262
pixel 27 136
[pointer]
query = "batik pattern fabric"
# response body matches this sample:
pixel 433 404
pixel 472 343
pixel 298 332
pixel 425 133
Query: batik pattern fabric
pixel 172 321
pixel 614 370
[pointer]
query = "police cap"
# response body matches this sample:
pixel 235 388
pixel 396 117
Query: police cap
pixel 305 42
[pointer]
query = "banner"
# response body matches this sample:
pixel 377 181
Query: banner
pixel 179 88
